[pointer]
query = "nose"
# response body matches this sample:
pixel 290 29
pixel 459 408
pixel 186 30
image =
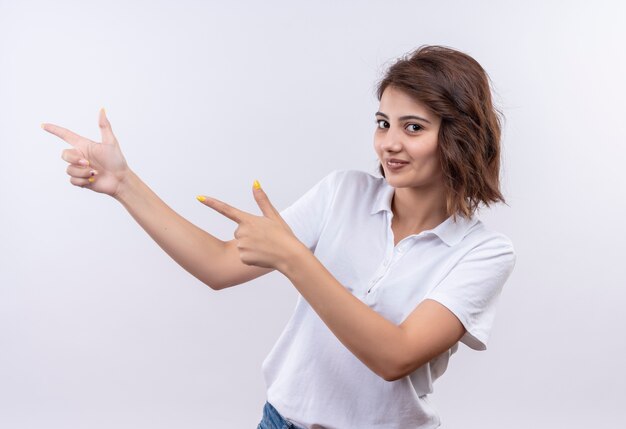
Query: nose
pixel 391 141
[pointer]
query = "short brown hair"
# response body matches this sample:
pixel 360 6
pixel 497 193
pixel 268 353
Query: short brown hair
pixel 455 87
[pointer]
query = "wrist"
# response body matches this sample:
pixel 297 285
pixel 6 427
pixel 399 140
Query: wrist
pixel 294 259
pixel 126 186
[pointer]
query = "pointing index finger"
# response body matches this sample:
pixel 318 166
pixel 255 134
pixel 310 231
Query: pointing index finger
pixel 65 134
pixel 230 212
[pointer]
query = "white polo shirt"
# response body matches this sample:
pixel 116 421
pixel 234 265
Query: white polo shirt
pixel 312 379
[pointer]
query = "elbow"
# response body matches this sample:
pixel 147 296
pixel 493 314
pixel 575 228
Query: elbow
pixel 392 375
pixel 214 285
pixel 391 372
pixel 393 364
pixel 399 370
pixel 215 282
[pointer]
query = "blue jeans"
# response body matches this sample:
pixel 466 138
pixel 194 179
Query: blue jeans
pixel 273 420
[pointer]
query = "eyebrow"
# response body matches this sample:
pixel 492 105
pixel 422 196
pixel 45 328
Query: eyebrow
pixel 402 118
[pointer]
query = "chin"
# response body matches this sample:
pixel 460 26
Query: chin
pixel 396 181
pixel 406 181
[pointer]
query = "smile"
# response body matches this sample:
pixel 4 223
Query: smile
pixel 396 165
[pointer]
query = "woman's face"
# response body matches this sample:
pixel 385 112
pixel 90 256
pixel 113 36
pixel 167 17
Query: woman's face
pixel 408 131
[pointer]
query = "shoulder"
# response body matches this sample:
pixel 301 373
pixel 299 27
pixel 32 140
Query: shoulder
pixel 493 238
pixel 488 244
pixel 483 234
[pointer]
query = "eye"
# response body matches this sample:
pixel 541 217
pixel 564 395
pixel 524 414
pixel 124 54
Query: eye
pixel 416 127
pixel 379 121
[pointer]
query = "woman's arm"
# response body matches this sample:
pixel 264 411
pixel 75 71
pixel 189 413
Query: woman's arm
pixel 211 260
pixel 391 351
pixel 101 167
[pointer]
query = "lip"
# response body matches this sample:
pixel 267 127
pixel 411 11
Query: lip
pixel 395 160
pixel 398 167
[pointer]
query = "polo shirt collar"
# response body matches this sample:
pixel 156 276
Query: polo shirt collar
pixel 448 231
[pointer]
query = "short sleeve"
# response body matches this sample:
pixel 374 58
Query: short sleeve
pixel 472 288
pixel 307 215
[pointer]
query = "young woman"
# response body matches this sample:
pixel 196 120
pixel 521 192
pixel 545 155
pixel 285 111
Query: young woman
pixel 393 271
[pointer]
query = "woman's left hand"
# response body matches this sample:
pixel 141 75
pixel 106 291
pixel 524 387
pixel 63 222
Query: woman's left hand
pixel 265 241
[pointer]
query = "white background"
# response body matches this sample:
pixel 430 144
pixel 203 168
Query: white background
pixel 99 328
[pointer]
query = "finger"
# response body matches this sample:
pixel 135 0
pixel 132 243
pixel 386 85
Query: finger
pixel 230 212
pixel 74 156
pixel 66 135
pixel 105 128
pixel 78 181
pixel 263 201
pixel 81 172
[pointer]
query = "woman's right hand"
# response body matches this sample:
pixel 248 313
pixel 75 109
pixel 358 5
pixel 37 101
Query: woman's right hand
pixel 105 168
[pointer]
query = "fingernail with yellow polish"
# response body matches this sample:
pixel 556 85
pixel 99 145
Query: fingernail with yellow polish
pixel 201 198
pixel 92 179
pixel 257 185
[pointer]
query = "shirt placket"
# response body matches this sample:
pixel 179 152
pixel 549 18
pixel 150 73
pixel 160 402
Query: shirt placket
pixel 392 255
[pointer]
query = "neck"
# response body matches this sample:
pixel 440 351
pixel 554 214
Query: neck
pixel 418 209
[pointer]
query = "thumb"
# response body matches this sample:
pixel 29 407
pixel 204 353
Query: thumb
pixel 105 129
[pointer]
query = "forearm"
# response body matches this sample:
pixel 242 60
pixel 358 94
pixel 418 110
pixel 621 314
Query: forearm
pixel 374 340
pixel 192 248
